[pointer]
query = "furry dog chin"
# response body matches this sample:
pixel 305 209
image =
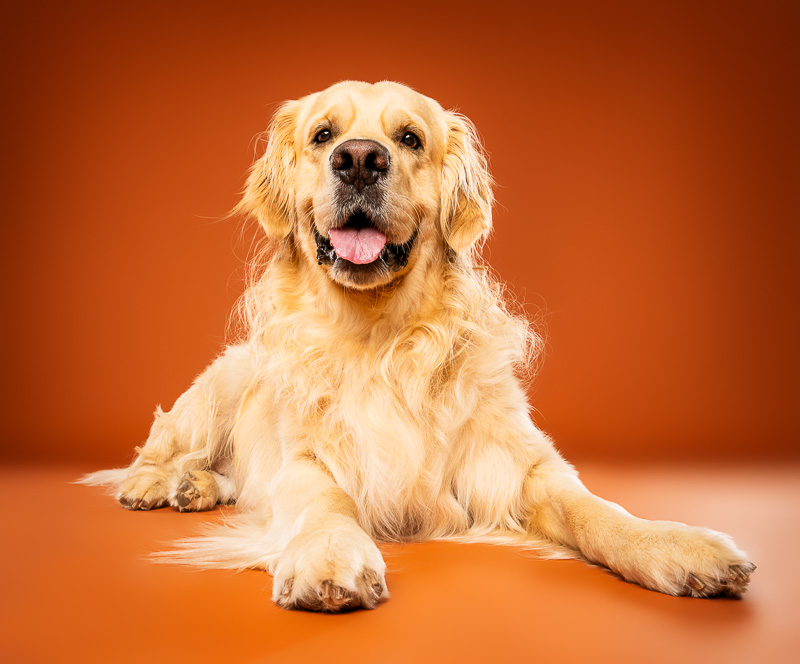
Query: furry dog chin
pixel 376 392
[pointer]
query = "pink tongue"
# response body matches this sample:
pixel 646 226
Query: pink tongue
pixel 357 246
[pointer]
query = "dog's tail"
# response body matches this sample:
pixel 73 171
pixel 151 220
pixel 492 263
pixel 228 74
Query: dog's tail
pixel 242 542
pixel 245 542
pixel 111 479
pixel 541 547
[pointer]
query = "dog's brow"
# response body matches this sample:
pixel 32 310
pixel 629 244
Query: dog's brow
pixel 319 122
pixel 395 120
pixel 333 115
pixel 323 123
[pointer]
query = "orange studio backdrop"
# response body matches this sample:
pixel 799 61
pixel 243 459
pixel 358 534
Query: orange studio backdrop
pixel 647 163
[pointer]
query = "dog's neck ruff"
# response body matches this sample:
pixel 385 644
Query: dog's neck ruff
pixel 395 256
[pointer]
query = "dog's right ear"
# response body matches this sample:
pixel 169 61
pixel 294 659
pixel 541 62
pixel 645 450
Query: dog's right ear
pixel 269 193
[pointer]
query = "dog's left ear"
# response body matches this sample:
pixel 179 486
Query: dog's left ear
pixel 466 212
pixel 269 192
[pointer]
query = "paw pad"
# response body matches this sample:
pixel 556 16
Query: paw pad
pixel 196 492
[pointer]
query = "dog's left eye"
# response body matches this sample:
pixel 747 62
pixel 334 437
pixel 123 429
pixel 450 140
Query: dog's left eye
pixel 411 140
pixel 322 136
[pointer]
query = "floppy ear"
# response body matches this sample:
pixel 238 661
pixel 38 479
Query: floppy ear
pixel 269 193
pixel 467 198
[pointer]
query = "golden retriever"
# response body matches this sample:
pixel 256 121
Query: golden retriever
pixel 376 393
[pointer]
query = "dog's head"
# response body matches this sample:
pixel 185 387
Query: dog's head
pixel 368 179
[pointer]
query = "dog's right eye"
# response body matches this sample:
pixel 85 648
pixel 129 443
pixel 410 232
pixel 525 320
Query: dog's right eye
pixel 322 136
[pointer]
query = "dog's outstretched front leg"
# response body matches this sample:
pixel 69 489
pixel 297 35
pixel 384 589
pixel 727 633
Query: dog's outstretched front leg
pixel 330 563
pixel 670 557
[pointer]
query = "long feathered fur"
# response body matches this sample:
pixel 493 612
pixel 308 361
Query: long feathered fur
pixel 398 412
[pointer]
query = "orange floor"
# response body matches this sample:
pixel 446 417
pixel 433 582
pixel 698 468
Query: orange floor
pixel 78 588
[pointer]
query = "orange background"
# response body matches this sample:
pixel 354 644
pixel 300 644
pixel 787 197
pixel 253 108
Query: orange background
pixel 647 161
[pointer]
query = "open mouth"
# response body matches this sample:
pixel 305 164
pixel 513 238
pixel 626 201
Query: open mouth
pixel 359 242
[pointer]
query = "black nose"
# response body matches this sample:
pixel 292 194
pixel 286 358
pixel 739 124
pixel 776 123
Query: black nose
pixel 360 163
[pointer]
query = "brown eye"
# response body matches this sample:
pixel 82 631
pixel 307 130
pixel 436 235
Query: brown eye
pixel 322 136
pixel 411 140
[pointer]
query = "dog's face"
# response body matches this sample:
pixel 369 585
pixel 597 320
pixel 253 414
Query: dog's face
pixel 368 180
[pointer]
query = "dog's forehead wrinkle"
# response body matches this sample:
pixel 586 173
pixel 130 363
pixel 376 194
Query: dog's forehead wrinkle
pixel 394 118
pixel 339 113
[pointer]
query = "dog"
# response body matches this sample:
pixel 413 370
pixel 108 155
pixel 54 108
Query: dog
pixel 377 392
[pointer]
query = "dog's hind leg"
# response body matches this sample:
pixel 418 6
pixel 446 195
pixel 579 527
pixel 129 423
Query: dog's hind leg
pixel 201 490
pixel 179 462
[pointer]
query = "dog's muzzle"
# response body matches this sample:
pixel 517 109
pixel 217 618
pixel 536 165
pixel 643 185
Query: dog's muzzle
pixel 361 168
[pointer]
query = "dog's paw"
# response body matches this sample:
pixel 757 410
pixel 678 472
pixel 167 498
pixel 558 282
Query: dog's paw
pixel 732 582
pixel 330 570
pixel 145 489
pixel 196 492
pixel 684 560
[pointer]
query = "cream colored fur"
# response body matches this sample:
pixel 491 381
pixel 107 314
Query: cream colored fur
pixel 352 413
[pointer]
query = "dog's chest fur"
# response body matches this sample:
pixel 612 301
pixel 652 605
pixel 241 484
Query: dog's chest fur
pixel 387 432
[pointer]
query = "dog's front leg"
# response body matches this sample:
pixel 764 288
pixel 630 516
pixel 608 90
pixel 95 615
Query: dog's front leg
pixel 329 563
pixel 670 557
